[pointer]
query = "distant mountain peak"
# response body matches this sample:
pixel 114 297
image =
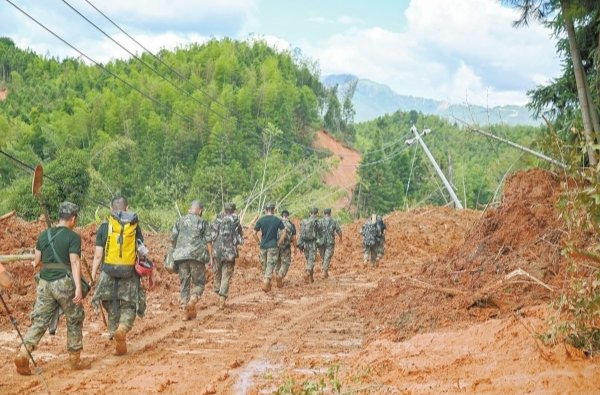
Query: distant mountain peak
pixel 372 100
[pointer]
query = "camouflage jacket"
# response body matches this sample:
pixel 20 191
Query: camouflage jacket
pixel 226 234
pixel 328 227
pixel 190 235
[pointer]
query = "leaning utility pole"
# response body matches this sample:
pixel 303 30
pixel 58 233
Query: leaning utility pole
pixel 525 149
pixel 437 168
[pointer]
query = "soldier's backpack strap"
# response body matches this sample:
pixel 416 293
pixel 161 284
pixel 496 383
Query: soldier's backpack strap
pixel 57 264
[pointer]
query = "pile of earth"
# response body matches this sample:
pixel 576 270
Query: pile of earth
pixel 468 284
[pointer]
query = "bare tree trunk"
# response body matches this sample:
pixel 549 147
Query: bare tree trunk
pixel 579 80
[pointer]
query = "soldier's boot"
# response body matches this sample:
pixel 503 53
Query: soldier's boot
pixel 310 276
pixel 279 281
pixel 185 315
pixel 22 361
pixel 191 306
pixel 266 285
pixel 222 300
pixel 76 363
pixel 120 339
pixel 325 274
pixel 306 277
pixel 365 263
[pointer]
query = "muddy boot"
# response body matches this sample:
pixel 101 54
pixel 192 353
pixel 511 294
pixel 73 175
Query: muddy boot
pixel 310 277
pixel 222 300
pixel 120 339
pixel 22 361
pixel 266 285
pixel 279 281
pixel 191 306
pixel 306 278
pixel 75 362
pixel 325 275
pixel 185 315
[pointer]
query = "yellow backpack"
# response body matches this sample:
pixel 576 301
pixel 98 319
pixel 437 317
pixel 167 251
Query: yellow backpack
pixel 120 249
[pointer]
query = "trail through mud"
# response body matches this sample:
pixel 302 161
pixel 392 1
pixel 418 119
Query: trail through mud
pixel 382 334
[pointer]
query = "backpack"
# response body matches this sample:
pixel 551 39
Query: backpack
pixel 289 227
pixel 326 230
pixel 308 229
pixel 225 236
pixel 120 248
pixel 370 232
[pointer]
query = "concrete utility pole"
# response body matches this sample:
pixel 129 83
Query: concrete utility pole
pixel 524 149
pixel 437 168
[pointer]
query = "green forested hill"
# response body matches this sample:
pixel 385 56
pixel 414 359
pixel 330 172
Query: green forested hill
pixel 240 133
pixel 478 163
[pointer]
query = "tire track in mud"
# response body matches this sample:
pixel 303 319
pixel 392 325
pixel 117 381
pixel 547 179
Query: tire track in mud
pixel 257 333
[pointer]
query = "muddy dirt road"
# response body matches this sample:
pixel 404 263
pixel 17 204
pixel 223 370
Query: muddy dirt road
pixel 298 333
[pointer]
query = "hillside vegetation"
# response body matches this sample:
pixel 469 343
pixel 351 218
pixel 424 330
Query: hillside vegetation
pixel 237 130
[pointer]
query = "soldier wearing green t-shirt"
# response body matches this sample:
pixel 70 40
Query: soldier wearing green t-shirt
pixel 58 250
pixel 268 225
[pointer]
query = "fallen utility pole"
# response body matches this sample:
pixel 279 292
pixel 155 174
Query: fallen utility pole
pixel 437 168
pixel 525 149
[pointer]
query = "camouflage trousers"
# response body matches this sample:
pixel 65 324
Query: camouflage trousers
pixel 130 300
pixel 380 247
pixel 283 261
pixel 51 295
pixel 268 261
pixel 123 314
pixel 326 252
pixel 310 253
pixel 223 270
pixel 370 253
pixel 194 272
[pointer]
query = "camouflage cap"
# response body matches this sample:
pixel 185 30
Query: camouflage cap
pixel 270 206
pixel 229 206
pixel 314 210
pixel 327 211
pixel 68 208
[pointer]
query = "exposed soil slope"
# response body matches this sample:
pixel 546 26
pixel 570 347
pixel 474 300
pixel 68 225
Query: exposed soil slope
pixel 344 176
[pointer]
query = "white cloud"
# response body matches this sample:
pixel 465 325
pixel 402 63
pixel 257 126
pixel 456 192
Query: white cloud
pixel 450 50
pixel 346 19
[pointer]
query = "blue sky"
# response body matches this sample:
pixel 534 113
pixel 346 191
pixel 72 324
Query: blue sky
pixel 458 51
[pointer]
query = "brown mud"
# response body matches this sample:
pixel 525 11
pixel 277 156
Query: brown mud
pixel 384 334
pixel 344 175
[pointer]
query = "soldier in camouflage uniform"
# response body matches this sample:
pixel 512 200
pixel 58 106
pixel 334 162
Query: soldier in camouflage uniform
pixel 226 233
pixel 58 250
pixel 370 233
pixel 326 243
pixel 285 249
pixel 129 299
pixel 308 242
pixel 269 224
pixel 193 250
pixel 381 239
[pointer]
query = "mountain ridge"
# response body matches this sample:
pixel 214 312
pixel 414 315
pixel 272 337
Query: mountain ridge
pixel 372 100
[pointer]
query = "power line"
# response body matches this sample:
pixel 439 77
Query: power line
pixel 115 75
pixel 231 110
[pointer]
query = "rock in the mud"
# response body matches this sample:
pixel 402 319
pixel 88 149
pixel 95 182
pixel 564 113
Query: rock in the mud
pixel 223 375
pixel 208 390
pixel 236 364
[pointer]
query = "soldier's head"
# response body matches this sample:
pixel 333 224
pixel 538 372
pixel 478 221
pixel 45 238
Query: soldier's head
pixel 196 207
pixel 67 214
pixel 314 211
pixel 119 203
pixel 269 208
pixel 229 208
pixel 285 213
pixel 327 211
